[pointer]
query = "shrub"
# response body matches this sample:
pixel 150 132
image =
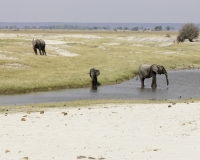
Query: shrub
pixel 188 31
pixel 180 38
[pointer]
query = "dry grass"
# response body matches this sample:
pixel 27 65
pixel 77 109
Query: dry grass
pixel 70 55
pixel 85 103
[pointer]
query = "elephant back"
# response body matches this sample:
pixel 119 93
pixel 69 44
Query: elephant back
pixel 42 41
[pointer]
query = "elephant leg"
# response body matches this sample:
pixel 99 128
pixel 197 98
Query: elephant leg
pixel 142 82
pixel 35 50
pixel 44 52
pixel 154 84
pixel 95 81
pixel 40 51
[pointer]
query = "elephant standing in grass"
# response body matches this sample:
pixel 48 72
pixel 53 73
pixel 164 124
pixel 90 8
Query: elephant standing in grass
pixel 94 73
pixel 147 71
pixel 40 45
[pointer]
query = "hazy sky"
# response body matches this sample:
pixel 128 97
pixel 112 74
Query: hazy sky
pixel 101 11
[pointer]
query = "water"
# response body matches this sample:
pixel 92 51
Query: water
pixel 184 84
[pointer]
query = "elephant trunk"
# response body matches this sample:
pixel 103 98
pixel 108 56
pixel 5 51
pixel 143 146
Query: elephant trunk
pixel 35 49
pixel 167 78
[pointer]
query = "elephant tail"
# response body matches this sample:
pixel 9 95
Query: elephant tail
pixel 137 78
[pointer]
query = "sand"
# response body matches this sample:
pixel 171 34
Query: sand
pixel 109 131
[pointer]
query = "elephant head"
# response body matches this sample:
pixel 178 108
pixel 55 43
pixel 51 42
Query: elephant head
pixel 147 71
pixel 160 70
pixel 40 45
pixel 94 73
pixel 35 46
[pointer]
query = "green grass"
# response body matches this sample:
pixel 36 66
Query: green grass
pixel 116 54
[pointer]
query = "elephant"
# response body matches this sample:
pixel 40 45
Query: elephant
pixel 147 71
pixel 39 44
pixel 94 73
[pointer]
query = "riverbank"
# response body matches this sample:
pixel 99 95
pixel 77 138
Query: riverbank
pixel 106 131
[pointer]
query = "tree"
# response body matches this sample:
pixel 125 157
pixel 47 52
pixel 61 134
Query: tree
pixel 144 29
pixel 135 28
pixel 119 28
pixel 168 28
pixel 158 28
pixel 189 31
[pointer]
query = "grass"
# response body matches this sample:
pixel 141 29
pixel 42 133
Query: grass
pixel 116 54
pixel 86 103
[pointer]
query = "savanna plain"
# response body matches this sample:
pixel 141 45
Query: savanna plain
pixel 103 129
pixel 71 54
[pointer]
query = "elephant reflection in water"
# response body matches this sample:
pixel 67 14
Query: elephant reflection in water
pixel 94 73
pixel 147 71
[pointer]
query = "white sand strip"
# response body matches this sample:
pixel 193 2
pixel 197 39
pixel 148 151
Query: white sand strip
pixel 123 131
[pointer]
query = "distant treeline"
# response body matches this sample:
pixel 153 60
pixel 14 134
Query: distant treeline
pixel 92 26
pixel 71 27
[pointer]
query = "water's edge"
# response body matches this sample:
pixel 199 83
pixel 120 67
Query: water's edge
pixel 182 84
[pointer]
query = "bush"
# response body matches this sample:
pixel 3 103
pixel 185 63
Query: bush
pixel 188 31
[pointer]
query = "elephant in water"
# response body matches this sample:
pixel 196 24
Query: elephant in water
pixel 147 71
pixel 94 73
pixel 39 44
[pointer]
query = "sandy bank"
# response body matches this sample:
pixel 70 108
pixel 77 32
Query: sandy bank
pixel 124 131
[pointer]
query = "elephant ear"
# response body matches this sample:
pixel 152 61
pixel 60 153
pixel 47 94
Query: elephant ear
pixel 97 72
pixel 155 68
pixel 92 71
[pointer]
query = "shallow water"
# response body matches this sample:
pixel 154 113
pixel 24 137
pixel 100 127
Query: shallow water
pixel 184 84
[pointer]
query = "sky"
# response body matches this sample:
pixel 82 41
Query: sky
pixel 101 11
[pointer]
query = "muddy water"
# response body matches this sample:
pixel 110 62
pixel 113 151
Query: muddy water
pixel 182 84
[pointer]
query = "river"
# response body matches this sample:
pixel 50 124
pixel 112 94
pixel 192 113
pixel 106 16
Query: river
pixel 182 84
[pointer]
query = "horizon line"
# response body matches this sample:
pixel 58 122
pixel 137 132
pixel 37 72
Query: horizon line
pixel 105 22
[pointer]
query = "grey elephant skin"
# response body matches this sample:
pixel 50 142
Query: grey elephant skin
pixel 40 45
pixel 148 71
pixel 94 73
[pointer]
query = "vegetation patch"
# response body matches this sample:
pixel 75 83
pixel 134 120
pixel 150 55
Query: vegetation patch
pixel 86 103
